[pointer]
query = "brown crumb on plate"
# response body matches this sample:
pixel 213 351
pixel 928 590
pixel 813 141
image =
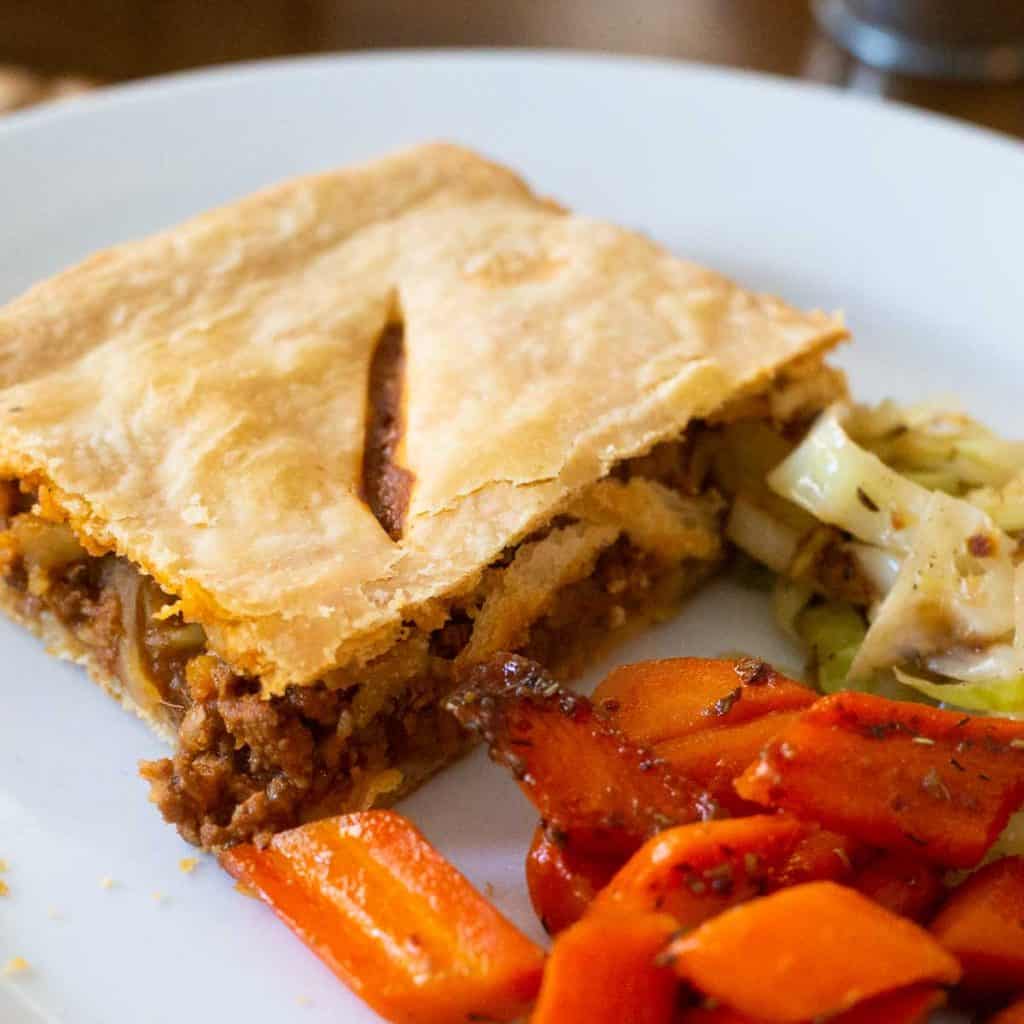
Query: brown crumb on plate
pixel 106 882
pixel 187 865
pixel 16 965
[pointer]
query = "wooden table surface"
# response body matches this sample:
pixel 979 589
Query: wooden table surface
pixel 110 40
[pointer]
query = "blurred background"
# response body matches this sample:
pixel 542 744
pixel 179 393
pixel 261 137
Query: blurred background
pixel 965 57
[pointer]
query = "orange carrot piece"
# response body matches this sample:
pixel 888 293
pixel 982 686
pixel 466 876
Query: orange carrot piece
pixel 716 1015
pixel 393 919
pixel 694 872
pixel 808 951
pixel 906 885
pixel 982 923
pixel 713 758
pixel 822 856
pixel 653 701
pixel 605 970
pixel 1012 1014
pixel 906 1006
pixel 573 764
pixel 934 783
pixel 564 874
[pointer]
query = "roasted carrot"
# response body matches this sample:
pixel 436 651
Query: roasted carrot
pixel 1012 1014
pixel 565 871
pixel 653 701
pixel 906 1006
pixel 393 919
pixel 933 783
pixel 982 923
pixel 823 856
pixel 808 951
pixel 716 1015
pixel 576 767
pixel 713 758
pixel 696 871
pixel 902 883
pixel 605 970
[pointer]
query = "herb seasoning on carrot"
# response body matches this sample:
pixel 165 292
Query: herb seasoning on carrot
pixel 894 775
pixel 696 871
pixel 572 763
pixel 655 701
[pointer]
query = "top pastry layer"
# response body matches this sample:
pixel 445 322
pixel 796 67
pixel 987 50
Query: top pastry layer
pixel 198 401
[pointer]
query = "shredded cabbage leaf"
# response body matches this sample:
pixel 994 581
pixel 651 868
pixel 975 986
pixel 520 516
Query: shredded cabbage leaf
pixel 927 501
pixel 840 483
pixel 834 632
pixel 996 662
pixel 1010 842
pixel 954 589
pixel 993 696
pixel 744 455
pixel 967 665
pixel 937 445
pixel 1005 505
pixel 878 566
pixel 761 535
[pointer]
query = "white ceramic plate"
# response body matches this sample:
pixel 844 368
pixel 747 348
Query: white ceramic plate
pixel 910 223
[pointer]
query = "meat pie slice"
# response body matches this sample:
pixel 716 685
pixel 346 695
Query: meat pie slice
pixel 272 475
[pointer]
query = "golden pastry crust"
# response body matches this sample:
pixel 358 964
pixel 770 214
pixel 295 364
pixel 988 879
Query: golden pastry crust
pixel 197 401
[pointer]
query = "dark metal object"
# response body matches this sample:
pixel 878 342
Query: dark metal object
pixel 980 40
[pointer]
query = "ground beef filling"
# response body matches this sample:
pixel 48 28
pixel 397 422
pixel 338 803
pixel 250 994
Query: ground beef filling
pixel 245 767
pixel 78 597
